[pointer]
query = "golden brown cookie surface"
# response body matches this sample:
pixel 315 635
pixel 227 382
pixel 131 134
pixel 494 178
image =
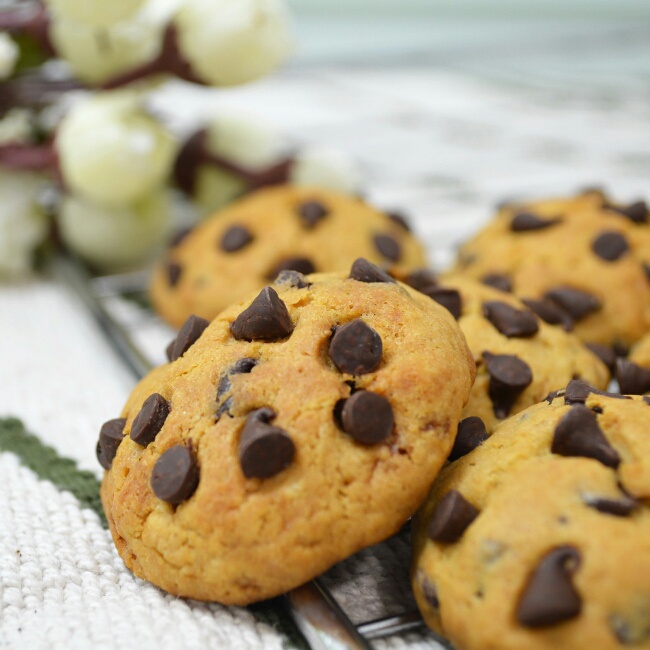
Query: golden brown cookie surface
pixel 242 248
pixel 293 430
pixel 579 262
pixel 540 537
pixel 519 358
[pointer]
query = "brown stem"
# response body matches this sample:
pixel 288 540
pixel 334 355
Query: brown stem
pixel 170 60
pixel 29 157
pixel 194 152
pixel 33 91
pixel 31 19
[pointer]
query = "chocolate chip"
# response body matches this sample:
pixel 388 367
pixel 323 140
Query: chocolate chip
pixel 605 353
pixel 646 399
pixel 188 335
pixel 578 434
pixel 399 219
pixel 527 221
pixel 451 517
pixel 578 390
pixel 550 312
pixel 266 319
pixel 471 434
pixel 610 246
pixel 555 394
pixel 498 281
pixel 241 366
pixel 636 212
pixel 365 271
pixel 511 322
pixel 264 450
pixel 632 379
pixel 450 299
pixel 110 436
pixel 302 265
pixel 421 279
pixel 549 596
pixel 174 272
pixel 509 376
pixel 356 348
pixel 150 420
pixel 293 279
pixel 646 269
pixel 235 238
pixel 388 246
pixel 576 303
pixel 621 507
pixel 175 475
pixel 430 592
pixel 367 417
pixel 312 212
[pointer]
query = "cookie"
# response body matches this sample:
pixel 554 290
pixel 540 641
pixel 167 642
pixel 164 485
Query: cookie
pixel 519 357
pixel 539 537
pixel 299 426
pixel 579 262
pixel 633 373
pixel 243 247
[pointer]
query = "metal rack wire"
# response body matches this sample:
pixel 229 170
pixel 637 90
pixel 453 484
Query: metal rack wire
pixel 363 598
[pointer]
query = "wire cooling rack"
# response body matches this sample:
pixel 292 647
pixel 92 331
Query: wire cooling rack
pixel 364 598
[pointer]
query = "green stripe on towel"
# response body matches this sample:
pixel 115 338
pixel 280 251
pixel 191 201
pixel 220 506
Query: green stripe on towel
pixel 48 465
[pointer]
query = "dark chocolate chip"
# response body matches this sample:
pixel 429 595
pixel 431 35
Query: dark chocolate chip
pixel 302 265
pixel 110 436
pixel 451 517
pixel 430 592
pixel 527 221
pixel 174 272
pixel 450 299
pixel 471 434
pixel 312 212
pixel 636 212
pixel 293 279
pixel 577 303
pixel 240 367
pixel 578 390
pixel 235 238
pixel 610 245
pixel 388 246
pixel 356 348
pixel 264 450
pixel 498 281
pixel 175 475
pixel 578 434
pixel 511 322
pixel 188 335
pixel 399 219
pixel 365 271
pixel 150 420
pixel 421 279
pixel 632 379
pixel 266 319
pixel 509 376
pixel 646 269
pixel 605 353
pixel 550 312
pixel 554 394
pixel 621 507
pixel 549 596
pixel 367 417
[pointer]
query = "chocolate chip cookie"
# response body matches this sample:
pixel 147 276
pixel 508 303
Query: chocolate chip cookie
pixel 538 538
pixel 581 262
pixel 633 373
pixel 243 247
pixel 519 357
pixel 300 425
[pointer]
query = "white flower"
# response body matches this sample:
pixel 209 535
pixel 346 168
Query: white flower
pixel 229 42
pixel 116 238
pixel 8 55
pixel 16 126
pixel 22 223
pixel 95 13
pixel 97 54
pixel 113 152
pixel 329 168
